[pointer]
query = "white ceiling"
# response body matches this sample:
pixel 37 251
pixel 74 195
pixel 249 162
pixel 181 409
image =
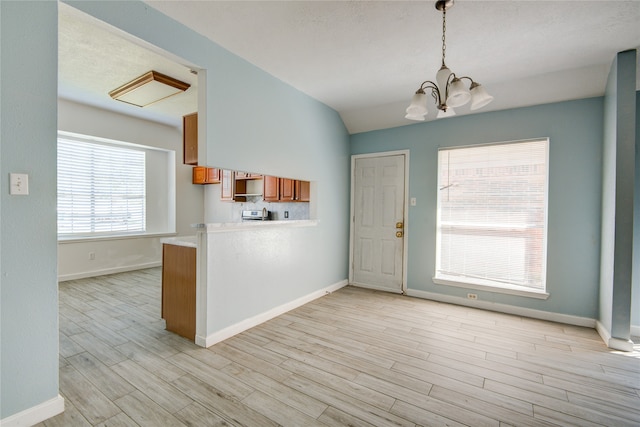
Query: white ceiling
pixel 94 59
pixel 365 59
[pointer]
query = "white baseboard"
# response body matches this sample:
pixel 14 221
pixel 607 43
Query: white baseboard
pixel 376 288
pixel 35 414
pixel 505 308
pixel 635 330
pixel 105 271
pixel 611 342
pixel 249 323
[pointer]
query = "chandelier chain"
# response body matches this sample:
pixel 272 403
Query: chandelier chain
pixel 444 30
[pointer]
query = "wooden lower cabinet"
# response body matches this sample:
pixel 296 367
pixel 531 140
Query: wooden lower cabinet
pixel 179 289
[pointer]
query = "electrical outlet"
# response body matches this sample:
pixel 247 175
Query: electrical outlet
pixel 92 256
pixel 286 214
pixel 472 296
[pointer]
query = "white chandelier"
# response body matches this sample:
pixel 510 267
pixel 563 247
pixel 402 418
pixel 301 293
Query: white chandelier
pixel 449 91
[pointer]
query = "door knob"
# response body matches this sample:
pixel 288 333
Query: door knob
pixel 398 233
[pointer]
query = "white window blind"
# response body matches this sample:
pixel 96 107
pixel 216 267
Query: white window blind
pixel 101 188
pixel 492 210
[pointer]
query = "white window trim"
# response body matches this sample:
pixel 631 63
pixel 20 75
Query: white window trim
pixel 505 288
pixel 155 231
pixel 76 239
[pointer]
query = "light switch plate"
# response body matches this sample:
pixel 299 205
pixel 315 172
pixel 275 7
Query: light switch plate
pixel 19 184
pixel 413 201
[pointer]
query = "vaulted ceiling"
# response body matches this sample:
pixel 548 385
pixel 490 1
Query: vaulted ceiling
pixel 365 59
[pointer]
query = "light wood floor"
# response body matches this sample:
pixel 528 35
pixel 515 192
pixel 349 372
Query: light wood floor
pixel 352 358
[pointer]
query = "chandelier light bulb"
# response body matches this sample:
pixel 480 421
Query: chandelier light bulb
pixel 416 117
pixel 418 106
pixel 479 96
pixel 458 94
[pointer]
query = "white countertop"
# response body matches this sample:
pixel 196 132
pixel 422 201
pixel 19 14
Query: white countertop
pixel 189 241
pixel 252 225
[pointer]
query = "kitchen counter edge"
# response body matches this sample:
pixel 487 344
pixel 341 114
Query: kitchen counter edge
pixel 252 225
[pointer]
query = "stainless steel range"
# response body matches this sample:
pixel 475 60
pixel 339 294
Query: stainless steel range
pixel 259 215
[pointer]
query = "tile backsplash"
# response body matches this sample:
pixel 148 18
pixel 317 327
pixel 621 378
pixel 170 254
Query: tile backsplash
pixel 297 210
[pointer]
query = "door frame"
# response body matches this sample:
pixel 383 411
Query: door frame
pixel 405 247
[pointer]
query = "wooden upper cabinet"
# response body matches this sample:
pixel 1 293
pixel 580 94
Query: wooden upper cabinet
pixel 271 192
pixel 303 191
pixel 287 190
pixel 247 175
pixel 206 175
pixel 242 175
pixel 213 176
pixel 227 179
pixel 190 139
pixel 230 186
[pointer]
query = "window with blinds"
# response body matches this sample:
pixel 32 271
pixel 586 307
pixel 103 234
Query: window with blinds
pixel 101 188
pixel 492 215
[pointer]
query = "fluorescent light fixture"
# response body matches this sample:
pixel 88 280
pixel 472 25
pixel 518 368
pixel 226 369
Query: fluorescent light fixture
pixel 149 88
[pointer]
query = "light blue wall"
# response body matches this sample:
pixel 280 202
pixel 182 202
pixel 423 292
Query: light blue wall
pixel 28 294
pixel 292 133
pixel 575 132
pixel 618 182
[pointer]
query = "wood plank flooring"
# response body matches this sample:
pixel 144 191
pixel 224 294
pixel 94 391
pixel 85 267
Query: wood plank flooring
pixel 351 358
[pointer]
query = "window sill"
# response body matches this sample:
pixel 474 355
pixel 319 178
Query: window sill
pixel 506 289
pixel 82 239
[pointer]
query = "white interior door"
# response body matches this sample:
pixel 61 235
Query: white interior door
pixel 378 222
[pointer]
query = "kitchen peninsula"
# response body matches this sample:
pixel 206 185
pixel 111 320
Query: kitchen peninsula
pixel 247 273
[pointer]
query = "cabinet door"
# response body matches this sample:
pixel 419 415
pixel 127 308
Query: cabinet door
pixel 287 189
pixel 232 190
pixel 190 139
pixel 179 289
pixel 213 176
pixel 199 175
pixel 205 175
pixel 271 191
pixel 228 181
pixel 303 191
